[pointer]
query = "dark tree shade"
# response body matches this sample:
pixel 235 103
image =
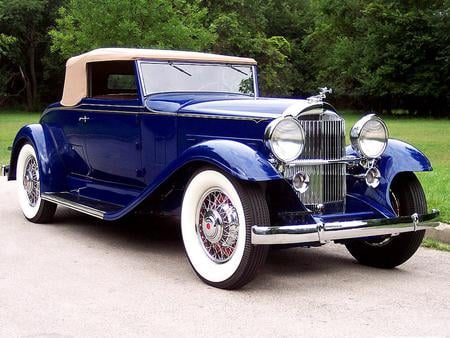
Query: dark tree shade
pixel 382 54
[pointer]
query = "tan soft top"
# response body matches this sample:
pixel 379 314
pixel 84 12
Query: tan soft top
pixel 75 84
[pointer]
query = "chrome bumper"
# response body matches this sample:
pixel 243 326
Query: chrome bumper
pixel 326 232
pixel 4 170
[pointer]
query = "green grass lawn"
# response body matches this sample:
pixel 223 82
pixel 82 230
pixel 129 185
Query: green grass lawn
pixel 10 123
pixel 432 136
pixel 434 244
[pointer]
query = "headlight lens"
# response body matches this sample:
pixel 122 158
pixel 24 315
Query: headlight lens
pixel 286 138
pixel 369 136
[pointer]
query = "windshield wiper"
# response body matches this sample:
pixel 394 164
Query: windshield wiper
pixel 237 69
pixel 180 69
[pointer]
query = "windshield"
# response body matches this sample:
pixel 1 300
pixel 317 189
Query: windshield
pixel 160 77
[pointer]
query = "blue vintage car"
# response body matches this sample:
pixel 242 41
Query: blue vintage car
pixel 187 134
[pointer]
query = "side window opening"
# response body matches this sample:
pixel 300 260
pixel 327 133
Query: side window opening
pixel 112 80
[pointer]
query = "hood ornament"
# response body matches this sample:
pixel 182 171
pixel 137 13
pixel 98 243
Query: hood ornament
pixel 323 91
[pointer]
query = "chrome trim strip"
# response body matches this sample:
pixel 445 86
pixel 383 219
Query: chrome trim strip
pixel 141 80
pixel 88 110
pixel 224 117
pixel 343 160
pixel 255 81
pixel 91 104
pixel 107 105
pixel 72 205
pixel 327 232
pixel 162 113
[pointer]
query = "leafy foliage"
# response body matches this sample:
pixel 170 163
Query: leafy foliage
pixel 394 51
pixel 23 42
pixel 84 25
pixel 378 54
pixel 243 29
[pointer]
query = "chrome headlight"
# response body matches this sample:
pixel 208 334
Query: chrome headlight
pixel 369 136
pixel 285 137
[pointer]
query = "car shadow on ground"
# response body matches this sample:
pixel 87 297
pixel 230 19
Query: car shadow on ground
pixel 151 234
pixel 134 233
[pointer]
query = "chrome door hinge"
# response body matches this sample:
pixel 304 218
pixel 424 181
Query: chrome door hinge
pixel 83 119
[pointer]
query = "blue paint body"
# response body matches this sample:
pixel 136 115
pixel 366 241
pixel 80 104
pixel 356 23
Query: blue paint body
pixel 127 150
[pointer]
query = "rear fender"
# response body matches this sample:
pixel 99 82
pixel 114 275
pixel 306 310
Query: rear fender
pixel 51 169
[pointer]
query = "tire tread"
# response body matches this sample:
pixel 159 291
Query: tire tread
pixel 45 214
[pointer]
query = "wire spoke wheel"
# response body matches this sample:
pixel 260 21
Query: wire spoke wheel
pixel 216 218
pixel 31 180
pixel 29 187
pixel 217 225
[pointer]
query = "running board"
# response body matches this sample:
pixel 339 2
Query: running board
pixel 82 204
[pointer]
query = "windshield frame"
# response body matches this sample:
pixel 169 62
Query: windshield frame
pixel 253 68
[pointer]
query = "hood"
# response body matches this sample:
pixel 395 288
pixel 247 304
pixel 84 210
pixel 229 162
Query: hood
pixel 221 104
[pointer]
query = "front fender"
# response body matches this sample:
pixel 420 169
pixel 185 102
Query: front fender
pixel 51 169
pixel 235 158
pixel 398 157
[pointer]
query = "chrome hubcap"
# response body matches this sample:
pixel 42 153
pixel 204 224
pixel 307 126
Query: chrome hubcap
pixel 218 225
pixel 31 180
pixel 212 226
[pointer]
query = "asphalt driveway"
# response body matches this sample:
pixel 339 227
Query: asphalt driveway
pixel 82 277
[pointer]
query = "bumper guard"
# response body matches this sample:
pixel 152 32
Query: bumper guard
pixel 4 170
pixel 327 232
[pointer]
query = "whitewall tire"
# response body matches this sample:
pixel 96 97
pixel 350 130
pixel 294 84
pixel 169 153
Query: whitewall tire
pixel 28 185
pixel 216 218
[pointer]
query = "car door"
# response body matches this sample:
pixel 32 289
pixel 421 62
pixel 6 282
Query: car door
pixel 111 124
pixel 111 142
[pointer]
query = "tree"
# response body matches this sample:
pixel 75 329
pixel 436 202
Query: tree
pixel 6 75
pixel 378 54
pixel 388 53
pixel 23 42
pixel 176 24
pixel 243 29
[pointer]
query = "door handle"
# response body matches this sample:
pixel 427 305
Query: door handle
pixel 83 119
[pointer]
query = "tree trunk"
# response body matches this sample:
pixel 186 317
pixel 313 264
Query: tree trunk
pixel 33 80
pixel 28 89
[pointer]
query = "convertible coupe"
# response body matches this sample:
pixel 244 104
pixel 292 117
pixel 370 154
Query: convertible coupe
pixel 187 134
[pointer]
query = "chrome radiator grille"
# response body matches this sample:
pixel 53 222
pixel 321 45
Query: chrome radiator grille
pixel 325 140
